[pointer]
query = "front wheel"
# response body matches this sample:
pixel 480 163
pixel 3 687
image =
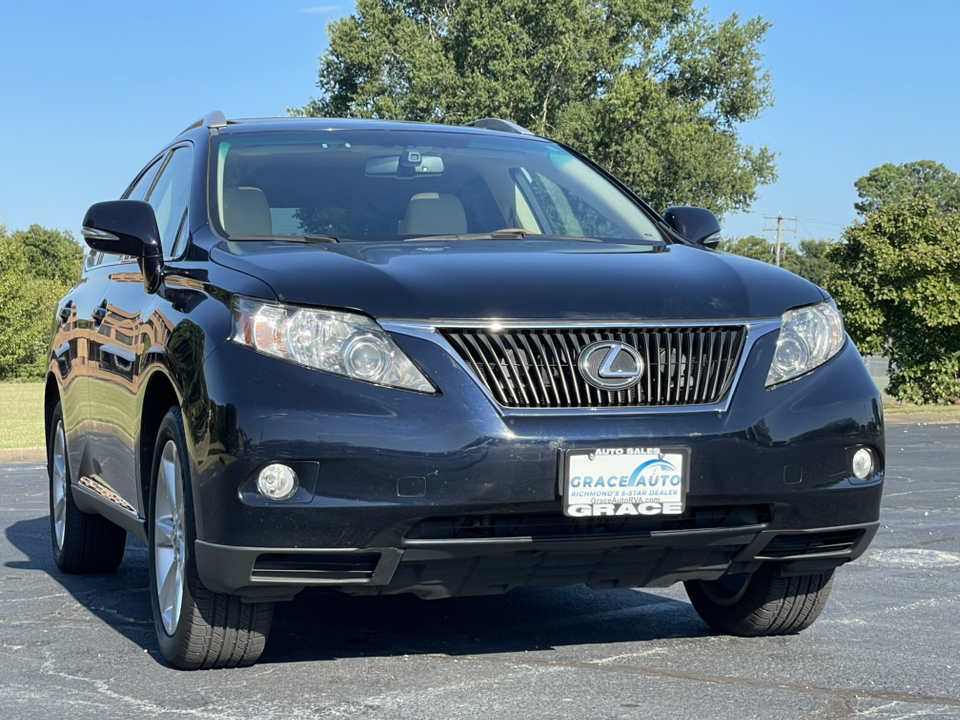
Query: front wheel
pixel 761 603
pixel 196 628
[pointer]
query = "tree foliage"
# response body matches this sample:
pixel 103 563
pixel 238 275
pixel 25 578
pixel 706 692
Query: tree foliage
pixel 37 266
pixel 51 254
pixel 652 90
pixel 813 260
pixel 889 184
pixel 896 280
pixel 25 312
pixel 809 261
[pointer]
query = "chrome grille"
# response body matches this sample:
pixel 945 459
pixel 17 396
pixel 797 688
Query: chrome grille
pixel 537 367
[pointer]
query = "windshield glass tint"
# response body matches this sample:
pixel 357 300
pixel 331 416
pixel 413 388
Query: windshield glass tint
pixel 378 185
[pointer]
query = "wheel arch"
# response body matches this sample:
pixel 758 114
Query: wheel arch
pixel 159 396
pixel 51 396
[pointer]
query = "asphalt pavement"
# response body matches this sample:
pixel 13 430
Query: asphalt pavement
pixel 887 646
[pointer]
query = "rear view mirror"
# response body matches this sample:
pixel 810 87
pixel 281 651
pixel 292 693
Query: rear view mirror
pixel 698 225
pixel 409 164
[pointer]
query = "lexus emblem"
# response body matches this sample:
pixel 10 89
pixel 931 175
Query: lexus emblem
pixel 611 365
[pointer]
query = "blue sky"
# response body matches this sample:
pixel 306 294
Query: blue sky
pixel 90 90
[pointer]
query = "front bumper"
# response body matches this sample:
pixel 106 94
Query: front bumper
pixel 446 495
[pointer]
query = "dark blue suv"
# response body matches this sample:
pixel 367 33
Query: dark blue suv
pixel 384 357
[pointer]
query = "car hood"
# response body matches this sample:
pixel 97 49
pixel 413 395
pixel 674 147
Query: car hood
pixel 524 280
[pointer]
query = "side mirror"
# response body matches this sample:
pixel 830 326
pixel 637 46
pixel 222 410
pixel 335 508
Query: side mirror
pixel 127 227
pixel 698 225
pixel 122 227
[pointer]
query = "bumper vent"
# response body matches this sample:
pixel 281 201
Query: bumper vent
pixel 538 367
pixel 315 566
pixel 788 546
pixel 543 526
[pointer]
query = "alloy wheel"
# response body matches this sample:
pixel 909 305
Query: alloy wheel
pixel 169 537
pixel 59 484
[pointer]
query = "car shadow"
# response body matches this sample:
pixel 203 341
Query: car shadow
pixel 326 625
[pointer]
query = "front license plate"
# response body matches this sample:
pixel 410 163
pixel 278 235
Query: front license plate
pixel 625 481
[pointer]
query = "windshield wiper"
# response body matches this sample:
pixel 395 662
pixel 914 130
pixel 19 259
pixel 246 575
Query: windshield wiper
pixel 506 234
pixel 285 238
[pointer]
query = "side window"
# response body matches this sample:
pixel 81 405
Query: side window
pixel 169 197
pixel 141 187
pixel 136 191
pixel 93 259
pixel 565 212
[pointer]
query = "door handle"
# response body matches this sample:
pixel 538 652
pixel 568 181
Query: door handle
pixel 65 312
pixel 100 313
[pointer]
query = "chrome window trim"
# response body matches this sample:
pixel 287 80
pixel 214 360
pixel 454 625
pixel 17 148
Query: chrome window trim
pixel 430 330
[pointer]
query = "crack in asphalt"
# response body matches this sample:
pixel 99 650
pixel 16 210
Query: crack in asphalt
pixel 855 694
pixel 837 707
pixel 927 543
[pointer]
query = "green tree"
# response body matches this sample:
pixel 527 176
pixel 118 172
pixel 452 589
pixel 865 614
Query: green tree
pixel 751 246
pixel 27 303
pixel 652 90
pixel 810 261
pixel 891 183
pixel 897 279
pixel 37 266
pixel 51 254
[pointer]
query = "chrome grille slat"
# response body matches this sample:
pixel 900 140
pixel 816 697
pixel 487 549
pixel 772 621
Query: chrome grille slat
pixel 516 366
pixel 481 362
pixel 593 395
pixel 556 371
pixel 736 348
pixel 688 377
pixel 705 377
pixel 505 373
pixel 537 367
pixel 647 376
pixel 715 372
pixel 570 345
pixel 536 363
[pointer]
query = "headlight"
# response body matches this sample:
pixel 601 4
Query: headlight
pixel 809 337
pixel 335 342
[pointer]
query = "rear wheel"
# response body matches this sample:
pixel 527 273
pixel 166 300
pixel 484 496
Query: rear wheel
pixel 761 603
pixel 82 543
pixel 196 628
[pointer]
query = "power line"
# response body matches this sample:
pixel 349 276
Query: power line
pixel 780 229
pixel 814 221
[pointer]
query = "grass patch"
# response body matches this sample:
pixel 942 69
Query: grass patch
pixel 895 408
pixel 21 414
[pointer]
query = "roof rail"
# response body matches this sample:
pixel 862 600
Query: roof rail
pixel 499 125
pixel 215 119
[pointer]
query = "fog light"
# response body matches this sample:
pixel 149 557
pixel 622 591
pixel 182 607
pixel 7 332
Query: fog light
pixel 277 482
pixel 863 463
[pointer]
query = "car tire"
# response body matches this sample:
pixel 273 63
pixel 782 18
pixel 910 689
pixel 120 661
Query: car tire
pixel 761 603
pixel 196 628
pixel 83 543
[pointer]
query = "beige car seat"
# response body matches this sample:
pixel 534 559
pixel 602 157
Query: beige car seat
pixel 434 214
pixel 246 212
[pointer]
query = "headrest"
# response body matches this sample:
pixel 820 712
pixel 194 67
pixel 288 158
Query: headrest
pixel 246 212
pixel 434 214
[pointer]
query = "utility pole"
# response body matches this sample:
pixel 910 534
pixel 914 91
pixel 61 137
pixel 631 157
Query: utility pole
pixel 780 229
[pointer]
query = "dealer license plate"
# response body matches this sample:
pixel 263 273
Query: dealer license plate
pixel 625 481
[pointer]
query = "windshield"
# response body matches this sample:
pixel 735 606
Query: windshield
pixel 394 185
